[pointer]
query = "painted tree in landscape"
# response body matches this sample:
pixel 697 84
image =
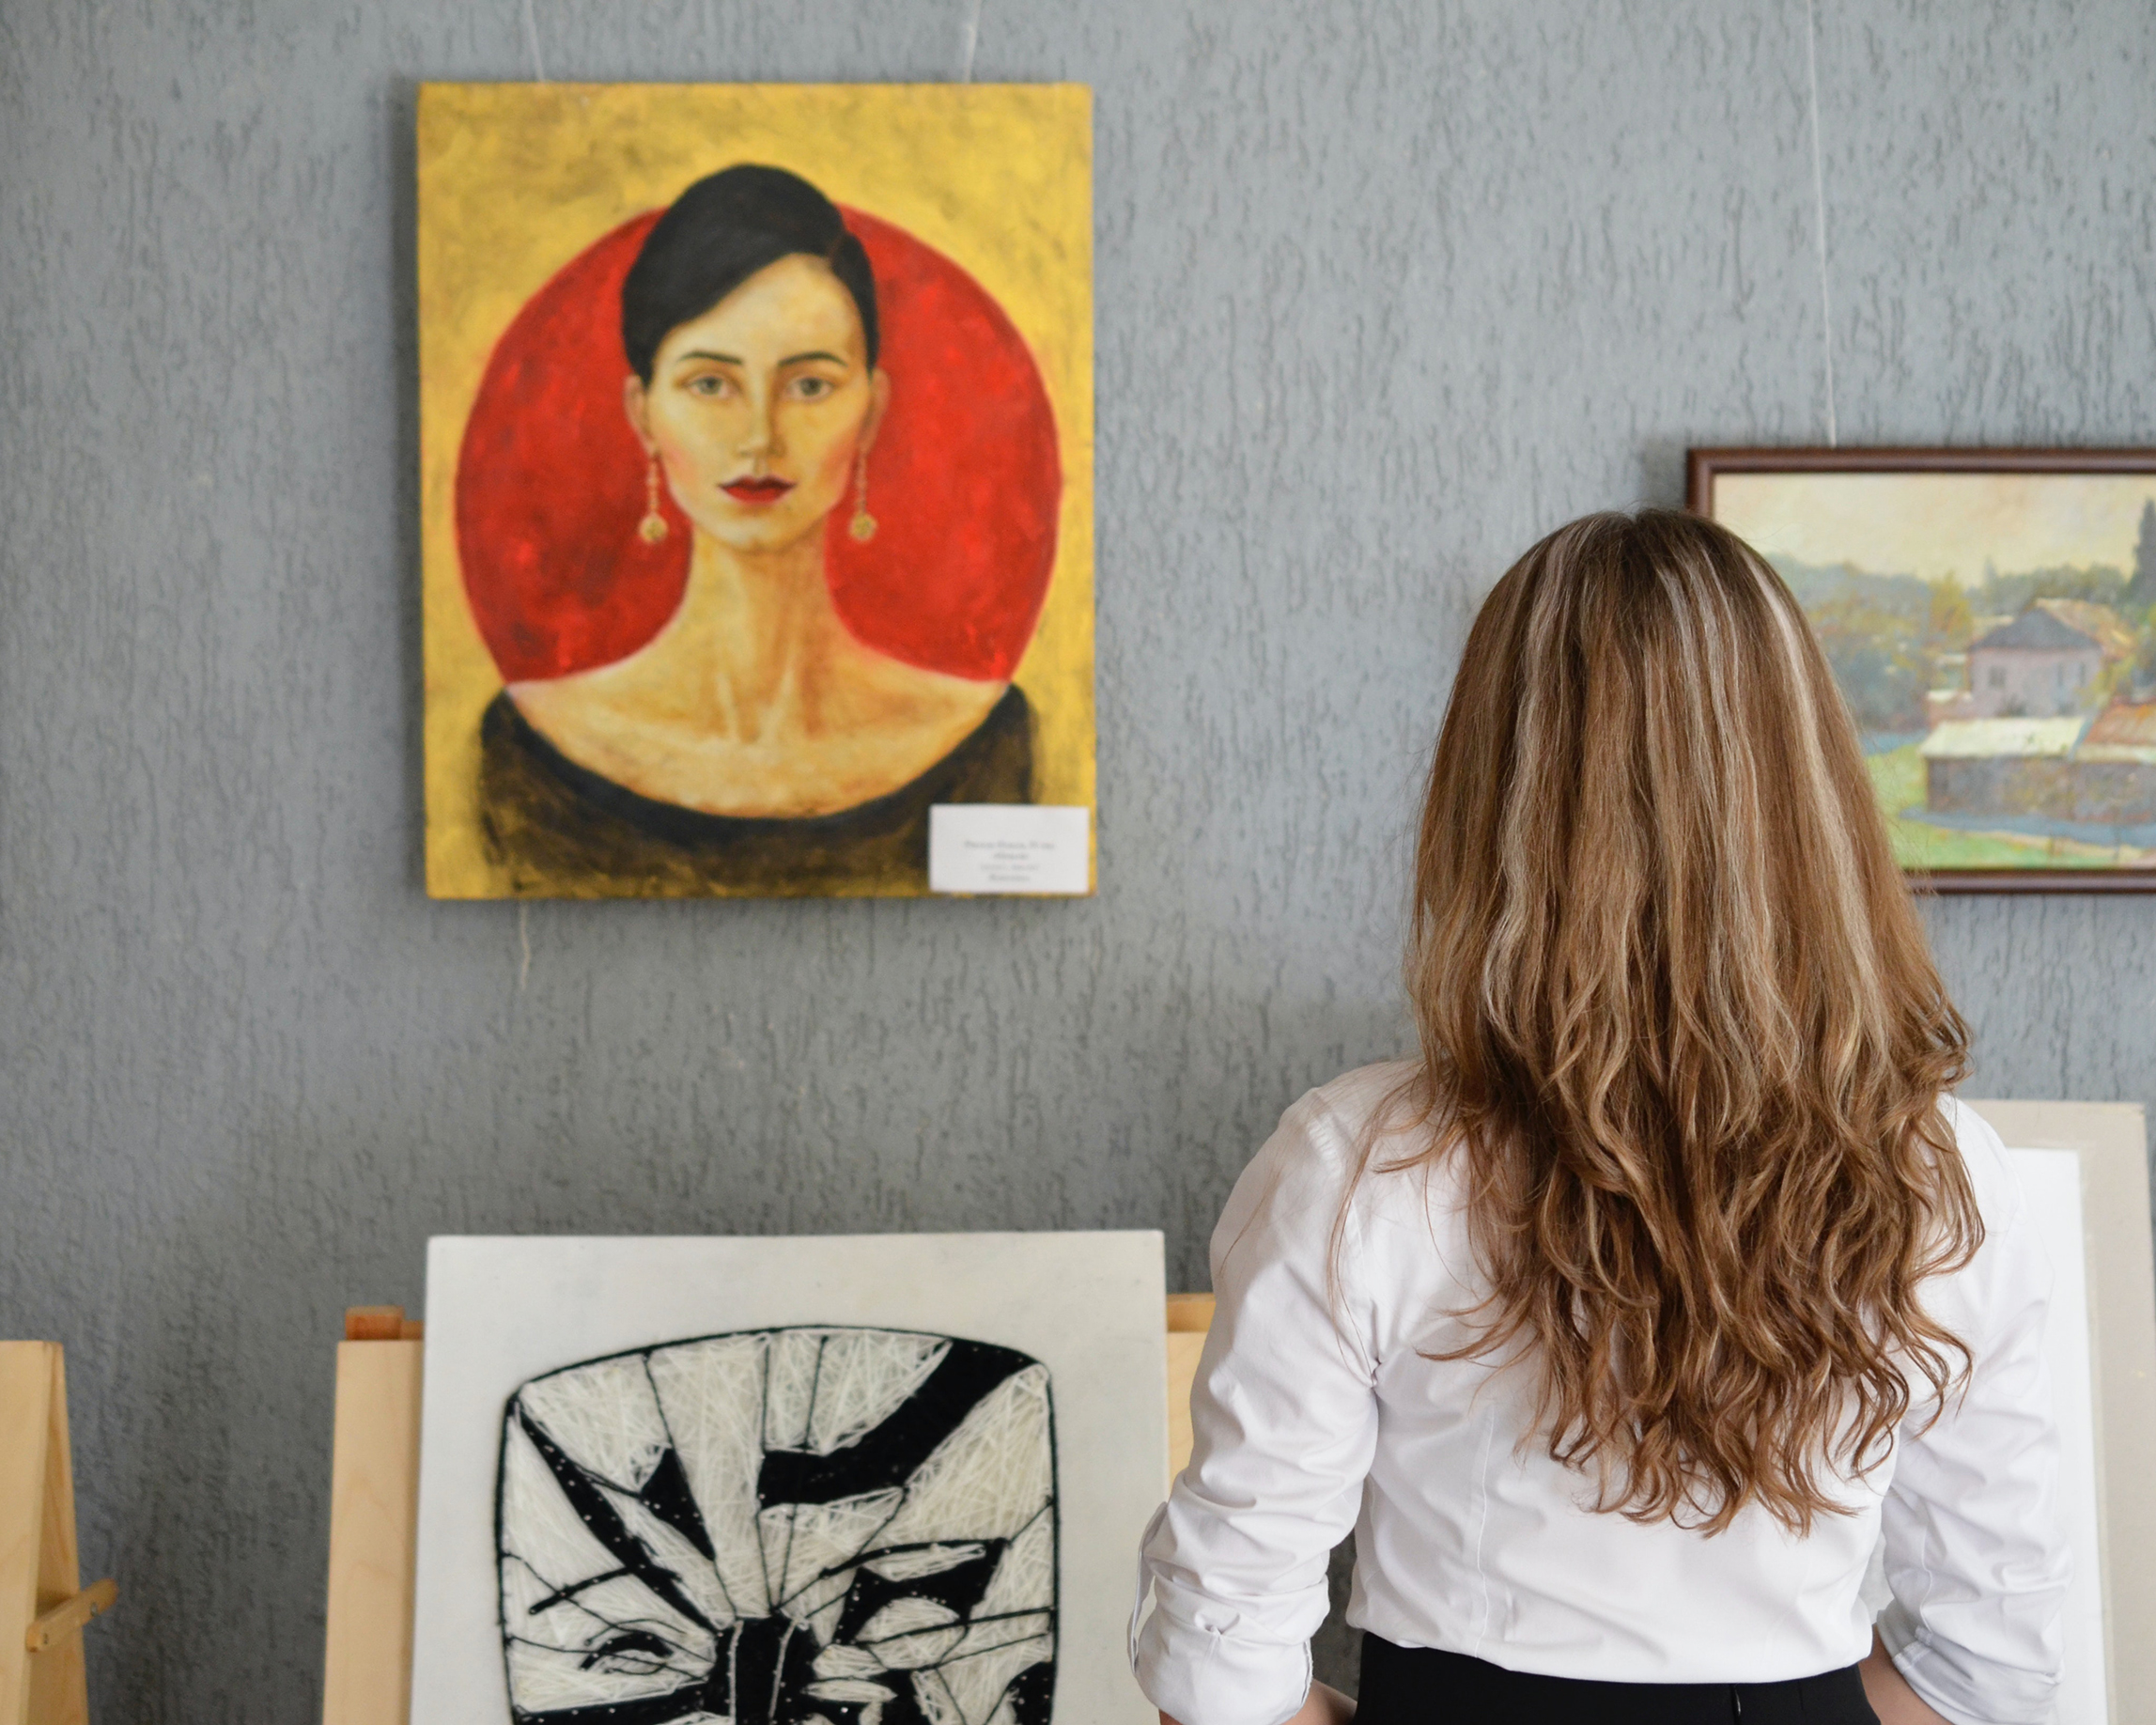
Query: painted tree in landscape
pixel 2140 590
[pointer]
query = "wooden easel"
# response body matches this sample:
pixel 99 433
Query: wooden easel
pixel 43 1604
pixel 374 1519
pixel 374 1500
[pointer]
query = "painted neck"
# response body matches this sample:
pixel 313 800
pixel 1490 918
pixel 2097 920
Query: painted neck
pixel 755 634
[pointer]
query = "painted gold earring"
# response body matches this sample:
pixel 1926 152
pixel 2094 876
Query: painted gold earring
pixel 653 527
pixel 863 526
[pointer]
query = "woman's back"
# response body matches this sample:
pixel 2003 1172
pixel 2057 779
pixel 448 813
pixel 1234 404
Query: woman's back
pixel 1617 1320
pixel 1318 1398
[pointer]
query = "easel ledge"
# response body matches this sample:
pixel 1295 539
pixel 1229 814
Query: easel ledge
pixel 42 1678
pixel 374 1500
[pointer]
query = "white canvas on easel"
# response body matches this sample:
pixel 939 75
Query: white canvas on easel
pixel 2116 1284
pixel 605 1418
pixel 2050 1185
pixel 2083 1170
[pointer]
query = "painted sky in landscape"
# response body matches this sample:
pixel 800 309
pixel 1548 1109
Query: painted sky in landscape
pixel 1930 524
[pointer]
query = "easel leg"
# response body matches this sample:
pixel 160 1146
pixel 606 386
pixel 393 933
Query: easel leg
pixel 374 1499
pixel 36 1538
pixel 59 1691
pixel 26 1372
pixel 38 1571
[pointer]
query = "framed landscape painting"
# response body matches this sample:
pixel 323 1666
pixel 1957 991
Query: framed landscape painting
pixel 1990 618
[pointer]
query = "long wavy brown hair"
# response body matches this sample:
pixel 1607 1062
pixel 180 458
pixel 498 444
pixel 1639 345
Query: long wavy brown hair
pixel 1680 1023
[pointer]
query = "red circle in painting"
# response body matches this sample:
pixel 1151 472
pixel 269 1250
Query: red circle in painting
pixel 964 479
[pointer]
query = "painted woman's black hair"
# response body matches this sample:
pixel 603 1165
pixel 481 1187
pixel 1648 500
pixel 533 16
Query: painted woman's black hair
pixel 721 232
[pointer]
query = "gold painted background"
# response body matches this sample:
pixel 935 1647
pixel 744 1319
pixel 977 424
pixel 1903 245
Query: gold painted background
pixel 515 180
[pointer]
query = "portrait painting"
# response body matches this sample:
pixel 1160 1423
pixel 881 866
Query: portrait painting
pixel 1990 617
pixel 892 1481
pixel 756 430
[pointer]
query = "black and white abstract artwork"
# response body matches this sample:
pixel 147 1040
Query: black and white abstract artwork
pixel 847 1526
pixel 819 1480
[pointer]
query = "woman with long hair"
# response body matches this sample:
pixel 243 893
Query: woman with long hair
pixel 1668 1282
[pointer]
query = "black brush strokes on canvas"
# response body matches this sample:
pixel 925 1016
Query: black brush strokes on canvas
pixel 763 1670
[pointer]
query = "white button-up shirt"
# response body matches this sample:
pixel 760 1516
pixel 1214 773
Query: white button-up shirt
pixel 1316 1410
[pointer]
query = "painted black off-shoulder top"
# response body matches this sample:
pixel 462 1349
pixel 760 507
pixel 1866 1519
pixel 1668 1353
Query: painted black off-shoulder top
pixel 562 831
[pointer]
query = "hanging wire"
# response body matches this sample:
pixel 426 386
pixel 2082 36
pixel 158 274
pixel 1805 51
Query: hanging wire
pixel 972 40
pixel 1819 214
pixel 531 41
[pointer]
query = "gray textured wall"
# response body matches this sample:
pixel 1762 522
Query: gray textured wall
pixel 1385 292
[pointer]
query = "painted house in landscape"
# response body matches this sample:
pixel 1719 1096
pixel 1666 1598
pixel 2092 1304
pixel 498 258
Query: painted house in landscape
pixel 2077 767
pixel 2115 766
pixel 2011 766
pixel 2042 663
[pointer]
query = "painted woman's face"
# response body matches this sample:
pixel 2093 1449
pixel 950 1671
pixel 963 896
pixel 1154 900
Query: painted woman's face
pixel 758 409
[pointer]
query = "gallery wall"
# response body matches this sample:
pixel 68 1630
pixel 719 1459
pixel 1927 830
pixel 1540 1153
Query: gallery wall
pixel 1385 292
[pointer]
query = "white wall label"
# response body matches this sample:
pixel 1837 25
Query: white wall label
pixel 1007 848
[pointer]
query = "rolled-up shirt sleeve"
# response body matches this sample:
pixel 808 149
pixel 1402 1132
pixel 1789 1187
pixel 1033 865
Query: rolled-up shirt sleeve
pixel 1975 1553
pixel 1283 1418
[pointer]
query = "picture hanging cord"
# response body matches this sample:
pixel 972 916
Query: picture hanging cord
pixel 531 41
pixel 1818 213
pixel 973 39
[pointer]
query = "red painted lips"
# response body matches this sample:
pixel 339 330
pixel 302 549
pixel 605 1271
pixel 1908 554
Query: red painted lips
pixel 759 490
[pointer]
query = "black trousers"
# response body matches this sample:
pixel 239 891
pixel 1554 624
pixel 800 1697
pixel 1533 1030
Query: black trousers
pixel 1420 1686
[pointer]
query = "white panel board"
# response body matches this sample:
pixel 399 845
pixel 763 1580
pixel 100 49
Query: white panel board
pixel 665 1479
pixel 2050 1184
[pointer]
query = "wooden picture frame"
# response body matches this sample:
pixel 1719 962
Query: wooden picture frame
pixel 2062 772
